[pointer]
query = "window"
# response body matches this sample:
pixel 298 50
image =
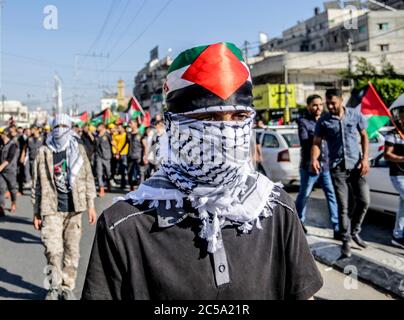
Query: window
pixel 335 38
pixel 270 141
pixel 383 26
pixel 362 29
pixel 292 140
pixel 384 47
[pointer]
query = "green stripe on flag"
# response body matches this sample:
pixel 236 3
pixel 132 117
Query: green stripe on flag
pixel 375 123
pixel 135 114
pixel 186 58
pixel 235 50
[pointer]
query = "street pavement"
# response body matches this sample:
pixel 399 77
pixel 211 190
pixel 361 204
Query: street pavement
pixel 381 264
pixel 22 261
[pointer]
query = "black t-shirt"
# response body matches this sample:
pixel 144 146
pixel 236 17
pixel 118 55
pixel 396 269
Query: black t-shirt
pixel 60 176
pixel 34 144
pixel 135 146
pixel 88 143
pixel 132 258
pixel 393 139
pixel 104 146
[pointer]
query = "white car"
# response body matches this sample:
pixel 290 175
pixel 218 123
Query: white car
pixel 376 144
pixel 383 196
pixel 281 153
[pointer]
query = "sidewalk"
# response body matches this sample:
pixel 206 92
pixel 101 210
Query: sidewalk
pixel 373 265
pixel 381 264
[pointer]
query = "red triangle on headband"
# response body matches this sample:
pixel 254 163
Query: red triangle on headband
pixel 218 70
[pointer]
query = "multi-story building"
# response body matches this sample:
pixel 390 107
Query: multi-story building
pixel 332 29
pixel 378 5
pixel 149 83
pixel 16 110
pixel 313 54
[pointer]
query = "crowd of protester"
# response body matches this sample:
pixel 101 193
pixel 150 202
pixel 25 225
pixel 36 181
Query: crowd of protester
pixel 122 155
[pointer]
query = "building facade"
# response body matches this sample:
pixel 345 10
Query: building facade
pixel 16 110
pixel 333 29
pixel 149 84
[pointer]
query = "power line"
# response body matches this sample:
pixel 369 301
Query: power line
pixel 160 12
pixel 116 25
pixel 132 21
pixel 106 20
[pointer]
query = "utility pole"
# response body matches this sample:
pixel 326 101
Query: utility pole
pixel 75 106
pixel 246 44
pixel 351 81
pixel 287 111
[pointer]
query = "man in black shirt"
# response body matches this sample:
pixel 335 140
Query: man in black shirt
pixel 103 155
pixel 135 168
pixel 34 143
pixel 88 142
pixel 206 225
pixel 8 170
pixel 394 153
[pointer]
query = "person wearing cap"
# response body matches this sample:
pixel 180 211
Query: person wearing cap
pixel 8 170
pixel 62 189
pixel 206 225
pixel 46 131
pixel 394 154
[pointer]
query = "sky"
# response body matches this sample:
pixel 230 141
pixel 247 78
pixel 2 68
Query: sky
pixel 120 33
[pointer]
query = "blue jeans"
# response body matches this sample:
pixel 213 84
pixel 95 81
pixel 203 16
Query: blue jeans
pixel 307 181
pixel 398 183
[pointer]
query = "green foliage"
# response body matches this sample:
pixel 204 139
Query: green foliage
pixel 388 89
pixel 388 84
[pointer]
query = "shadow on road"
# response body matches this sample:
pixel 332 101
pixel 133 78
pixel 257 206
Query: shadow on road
pixel 14 219
pixel 19 236
pixel 36 292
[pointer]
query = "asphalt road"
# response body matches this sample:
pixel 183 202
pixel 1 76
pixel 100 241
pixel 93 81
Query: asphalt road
pixel 22 261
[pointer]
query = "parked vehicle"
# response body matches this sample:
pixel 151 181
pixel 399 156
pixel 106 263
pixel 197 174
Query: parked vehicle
pixel 383 196
pixel 281 153
pixel 376 144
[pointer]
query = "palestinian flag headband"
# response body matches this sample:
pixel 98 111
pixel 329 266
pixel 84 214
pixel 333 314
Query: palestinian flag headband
pixel 205 76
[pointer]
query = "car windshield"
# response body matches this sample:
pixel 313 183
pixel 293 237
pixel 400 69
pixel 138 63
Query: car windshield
pixel 292 140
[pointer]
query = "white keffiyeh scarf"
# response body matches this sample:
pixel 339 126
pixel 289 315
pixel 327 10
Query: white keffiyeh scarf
pixel 209 163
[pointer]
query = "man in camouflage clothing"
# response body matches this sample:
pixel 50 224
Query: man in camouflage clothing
pixel 62 188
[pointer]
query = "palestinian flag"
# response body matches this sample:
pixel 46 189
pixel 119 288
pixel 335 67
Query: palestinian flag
pixel 106 117
pixel 81 119
pixel 146 121
pixel 213 75
pixel 135 109
pixel 374 109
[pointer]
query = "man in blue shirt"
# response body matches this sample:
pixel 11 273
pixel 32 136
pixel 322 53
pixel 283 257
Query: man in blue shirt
pixel 308 178
pixel 349 163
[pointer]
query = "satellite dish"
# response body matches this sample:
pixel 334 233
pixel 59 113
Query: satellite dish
pixel 263 37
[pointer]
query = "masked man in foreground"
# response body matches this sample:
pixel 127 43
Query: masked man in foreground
pixel 206 225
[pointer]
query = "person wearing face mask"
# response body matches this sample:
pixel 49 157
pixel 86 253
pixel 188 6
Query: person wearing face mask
pixel 306 126
pixel 206 225
pixel 8 170
pixel 394 154
pixel 344 130
pixel 62 189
